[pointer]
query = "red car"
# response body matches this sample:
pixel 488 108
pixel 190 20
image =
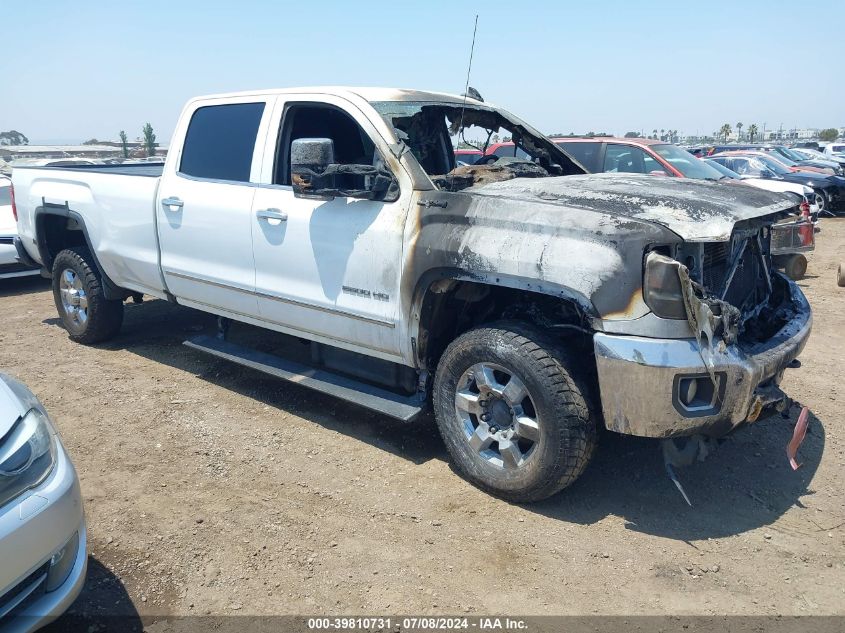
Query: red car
pixel 467 156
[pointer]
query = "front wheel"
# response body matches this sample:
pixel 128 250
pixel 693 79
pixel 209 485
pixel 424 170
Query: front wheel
pixel 512 415
pixel 83 308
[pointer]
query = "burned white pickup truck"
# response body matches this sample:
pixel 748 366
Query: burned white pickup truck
pixel 526 301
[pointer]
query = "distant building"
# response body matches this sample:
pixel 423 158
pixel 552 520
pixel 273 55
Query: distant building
pixel 107 149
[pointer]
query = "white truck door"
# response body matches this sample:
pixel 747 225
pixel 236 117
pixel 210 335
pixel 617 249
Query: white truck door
pixel 328 269
pixel 204 205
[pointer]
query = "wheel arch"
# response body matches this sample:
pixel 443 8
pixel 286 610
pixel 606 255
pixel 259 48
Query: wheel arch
pixel 58 227
pixel 448 301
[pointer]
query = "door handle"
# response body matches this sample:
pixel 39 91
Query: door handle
pixel 272 214
pixel 172 203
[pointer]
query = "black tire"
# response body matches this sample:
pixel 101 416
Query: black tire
pixel 796 267
pixel 565 426
pixel 840 275
pixel 103 317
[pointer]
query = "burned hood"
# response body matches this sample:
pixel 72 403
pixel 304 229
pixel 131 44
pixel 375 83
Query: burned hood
pixel 695 210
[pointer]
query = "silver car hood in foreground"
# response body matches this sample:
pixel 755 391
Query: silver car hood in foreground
pixel 11 408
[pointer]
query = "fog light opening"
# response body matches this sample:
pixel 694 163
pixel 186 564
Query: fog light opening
pixel 699 394
pixel 61 563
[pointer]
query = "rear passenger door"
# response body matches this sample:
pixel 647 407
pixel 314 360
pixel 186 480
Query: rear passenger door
pixel 204 206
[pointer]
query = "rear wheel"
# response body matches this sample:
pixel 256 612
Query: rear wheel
pixel 840 275
pixel 86 314
pixel 514 419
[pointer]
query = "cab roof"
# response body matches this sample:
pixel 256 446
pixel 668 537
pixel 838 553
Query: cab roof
pixel 367 93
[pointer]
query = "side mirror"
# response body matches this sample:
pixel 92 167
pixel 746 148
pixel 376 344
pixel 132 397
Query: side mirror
pixel 309 159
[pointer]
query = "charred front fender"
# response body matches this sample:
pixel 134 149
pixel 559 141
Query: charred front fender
pixel 586 256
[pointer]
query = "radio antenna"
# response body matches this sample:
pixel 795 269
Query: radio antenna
pixel 469 69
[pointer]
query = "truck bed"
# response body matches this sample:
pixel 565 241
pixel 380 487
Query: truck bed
pixel 114 205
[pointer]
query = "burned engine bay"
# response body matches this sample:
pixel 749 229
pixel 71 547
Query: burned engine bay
pixel 431 129
pixel 731 292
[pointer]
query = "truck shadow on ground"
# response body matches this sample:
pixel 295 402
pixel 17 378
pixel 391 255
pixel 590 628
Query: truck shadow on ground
pixel 103 606
pixel 746 484
pixel 17 286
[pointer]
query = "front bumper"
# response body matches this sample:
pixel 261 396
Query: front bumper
pixel 639 379
pixel 33 528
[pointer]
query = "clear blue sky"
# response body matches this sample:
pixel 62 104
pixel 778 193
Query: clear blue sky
pixel 72 70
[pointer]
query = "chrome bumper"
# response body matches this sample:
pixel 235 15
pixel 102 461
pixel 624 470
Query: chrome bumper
pixel 639 378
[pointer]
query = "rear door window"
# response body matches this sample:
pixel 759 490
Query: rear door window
pixel 220 141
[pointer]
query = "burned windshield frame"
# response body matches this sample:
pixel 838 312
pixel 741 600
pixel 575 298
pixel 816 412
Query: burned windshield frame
pixel 425 126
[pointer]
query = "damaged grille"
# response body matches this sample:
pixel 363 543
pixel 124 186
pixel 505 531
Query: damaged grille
pixel 738 271
pixel 715 264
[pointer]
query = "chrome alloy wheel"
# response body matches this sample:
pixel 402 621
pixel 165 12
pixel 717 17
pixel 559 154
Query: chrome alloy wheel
pixel 498 416
pixel 74 299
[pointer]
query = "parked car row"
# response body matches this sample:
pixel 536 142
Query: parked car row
pixel 10 266
pixel 789 157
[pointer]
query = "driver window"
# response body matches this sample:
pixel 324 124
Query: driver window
pixel 352 146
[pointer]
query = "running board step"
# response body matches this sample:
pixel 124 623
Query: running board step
pixel 404 408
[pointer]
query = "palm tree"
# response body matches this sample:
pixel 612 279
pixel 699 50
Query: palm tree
pixel 725 131
pixel 752 131
pixel 739 130
pixel 654 132
pixel 662 134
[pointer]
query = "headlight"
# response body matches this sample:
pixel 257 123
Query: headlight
pixel 662 287
pixel 27 455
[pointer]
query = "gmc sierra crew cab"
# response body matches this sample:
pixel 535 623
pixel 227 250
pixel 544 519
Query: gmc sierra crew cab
pixel 526 301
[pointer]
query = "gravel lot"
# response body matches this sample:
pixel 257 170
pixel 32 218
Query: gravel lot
pixel 212 489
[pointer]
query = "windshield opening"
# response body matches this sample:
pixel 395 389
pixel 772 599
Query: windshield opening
pixel 726 173
pixel 433 130
pixel 773 165
pixel 686 163
pixel 783 159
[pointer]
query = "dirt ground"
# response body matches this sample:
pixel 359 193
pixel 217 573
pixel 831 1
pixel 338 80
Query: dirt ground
pixel 212 489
